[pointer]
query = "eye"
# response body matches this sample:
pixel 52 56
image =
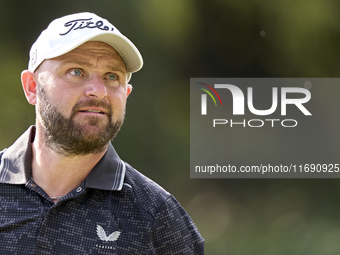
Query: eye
pixel 76 72
pixel 112 77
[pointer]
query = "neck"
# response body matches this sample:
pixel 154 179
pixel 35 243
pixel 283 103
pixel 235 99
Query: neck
pixel 56 173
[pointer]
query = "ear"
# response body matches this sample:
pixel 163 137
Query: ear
pixel 128 89
pixel 29 84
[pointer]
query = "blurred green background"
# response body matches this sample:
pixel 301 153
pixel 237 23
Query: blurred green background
pixel 180 39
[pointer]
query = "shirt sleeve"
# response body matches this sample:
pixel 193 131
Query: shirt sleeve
pixel 174 232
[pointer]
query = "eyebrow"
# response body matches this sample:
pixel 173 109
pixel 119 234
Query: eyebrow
pixel 88 64
pixel 78 62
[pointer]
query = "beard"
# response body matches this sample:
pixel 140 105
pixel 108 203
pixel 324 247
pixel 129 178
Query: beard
pixel 69 138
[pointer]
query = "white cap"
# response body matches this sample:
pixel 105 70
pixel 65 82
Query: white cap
pixel 69 32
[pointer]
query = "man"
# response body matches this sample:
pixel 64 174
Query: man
pixel 63 188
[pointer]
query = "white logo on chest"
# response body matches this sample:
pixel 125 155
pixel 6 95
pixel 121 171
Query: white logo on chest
pixel 102 235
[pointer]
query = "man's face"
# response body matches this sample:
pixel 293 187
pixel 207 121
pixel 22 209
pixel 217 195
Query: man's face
pixel 81 99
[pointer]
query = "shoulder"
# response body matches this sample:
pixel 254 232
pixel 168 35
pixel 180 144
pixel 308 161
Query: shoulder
pixel 172 229
pixel 147 193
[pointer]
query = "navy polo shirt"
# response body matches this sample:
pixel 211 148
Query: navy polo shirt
pixel 116 210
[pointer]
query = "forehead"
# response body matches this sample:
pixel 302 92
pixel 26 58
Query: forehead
pixel 91 52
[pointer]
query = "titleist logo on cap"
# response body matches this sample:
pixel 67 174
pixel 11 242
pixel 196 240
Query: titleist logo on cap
pixel 85 23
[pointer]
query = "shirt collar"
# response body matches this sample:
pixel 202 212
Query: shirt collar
pixel 15 165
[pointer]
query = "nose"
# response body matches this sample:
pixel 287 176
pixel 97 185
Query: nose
pixel 95 87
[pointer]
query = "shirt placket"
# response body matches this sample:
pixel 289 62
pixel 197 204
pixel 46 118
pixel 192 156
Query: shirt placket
pixel 46 235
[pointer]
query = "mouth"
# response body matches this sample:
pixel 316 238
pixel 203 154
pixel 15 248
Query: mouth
pixel 93 111
pixel 92 108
